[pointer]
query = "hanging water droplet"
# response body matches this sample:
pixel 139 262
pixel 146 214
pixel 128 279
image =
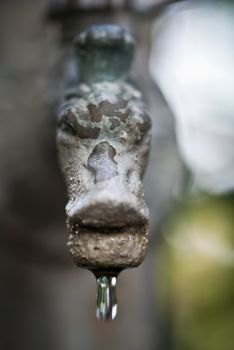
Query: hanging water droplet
pixel 106 298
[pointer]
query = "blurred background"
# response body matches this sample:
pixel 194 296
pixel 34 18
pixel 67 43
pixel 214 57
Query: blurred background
pixel 182 296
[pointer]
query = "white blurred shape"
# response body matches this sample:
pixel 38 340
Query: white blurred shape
pixel 192 60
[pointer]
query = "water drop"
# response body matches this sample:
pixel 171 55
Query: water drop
pixel 106 298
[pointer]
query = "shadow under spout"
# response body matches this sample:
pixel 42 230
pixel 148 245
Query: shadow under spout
pixel 108 208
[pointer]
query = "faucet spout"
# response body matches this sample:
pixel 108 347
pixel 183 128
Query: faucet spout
pixel 103 141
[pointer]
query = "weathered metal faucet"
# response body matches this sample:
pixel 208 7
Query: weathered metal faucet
pixel 103 139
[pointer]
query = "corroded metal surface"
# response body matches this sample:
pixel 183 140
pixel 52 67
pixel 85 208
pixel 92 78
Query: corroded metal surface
pixel 103 140
pixel 115 249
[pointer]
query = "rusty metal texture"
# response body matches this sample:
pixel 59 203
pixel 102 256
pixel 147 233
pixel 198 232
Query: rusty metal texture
pixel 103 140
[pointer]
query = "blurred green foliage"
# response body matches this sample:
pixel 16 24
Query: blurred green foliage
pixel 195 274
